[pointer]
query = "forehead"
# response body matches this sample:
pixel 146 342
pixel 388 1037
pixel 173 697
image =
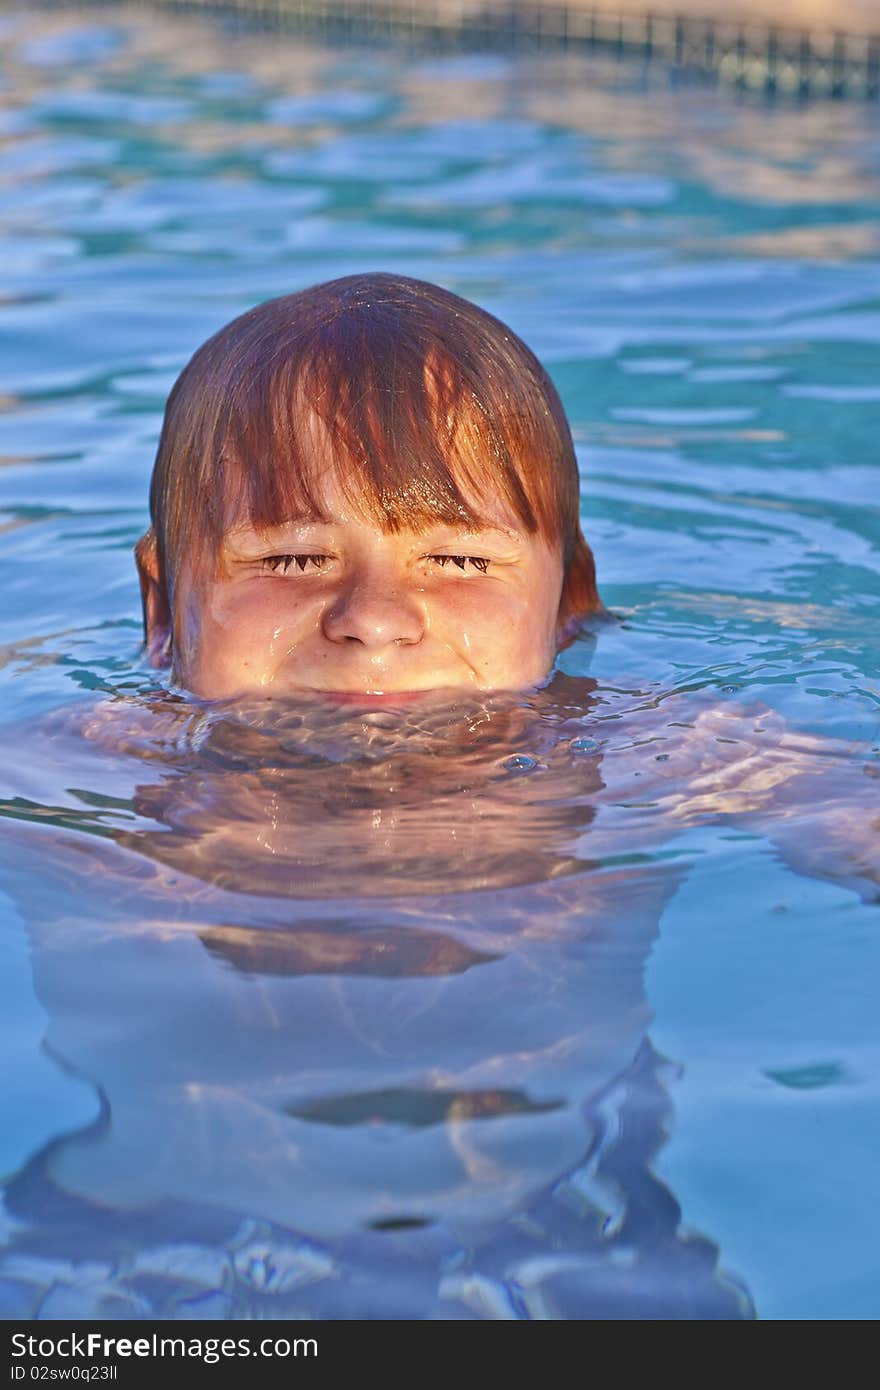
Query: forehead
pixel 344 480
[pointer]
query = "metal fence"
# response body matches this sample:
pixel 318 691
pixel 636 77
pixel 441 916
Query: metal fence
pixel 753 56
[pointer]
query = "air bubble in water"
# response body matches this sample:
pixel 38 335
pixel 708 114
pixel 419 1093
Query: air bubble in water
pixel 585 745
pixel 521 762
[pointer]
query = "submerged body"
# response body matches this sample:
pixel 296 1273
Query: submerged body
pixel 376 978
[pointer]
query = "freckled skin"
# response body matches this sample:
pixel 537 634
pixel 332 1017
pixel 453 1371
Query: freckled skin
pixel 346 608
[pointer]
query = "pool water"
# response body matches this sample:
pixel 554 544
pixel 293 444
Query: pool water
pixel 560 1004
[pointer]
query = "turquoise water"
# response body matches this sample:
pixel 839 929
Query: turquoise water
pixel 447 1016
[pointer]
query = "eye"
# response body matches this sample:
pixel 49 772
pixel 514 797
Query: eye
pixel 478 561
pixel 274 563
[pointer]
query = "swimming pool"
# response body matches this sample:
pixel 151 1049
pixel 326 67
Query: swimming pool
pixel 449 1016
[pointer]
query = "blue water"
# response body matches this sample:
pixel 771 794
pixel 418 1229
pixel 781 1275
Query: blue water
pixel 528 1037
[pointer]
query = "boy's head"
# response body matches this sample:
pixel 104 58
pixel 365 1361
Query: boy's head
pixel 365 488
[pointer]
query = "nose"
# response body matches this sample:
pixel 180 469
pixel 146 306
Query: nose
pixel 375 610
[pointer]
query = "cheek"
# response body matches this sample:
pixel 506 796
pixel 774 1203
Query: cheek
pixel 222 632
pixel 504 621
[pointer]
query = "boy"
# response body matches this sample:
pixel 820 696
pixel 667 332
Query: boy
pixel 365 489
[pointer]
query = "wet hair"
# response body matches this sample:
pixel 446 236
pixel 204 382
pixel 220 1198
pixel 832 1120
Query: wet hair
pixel 423 405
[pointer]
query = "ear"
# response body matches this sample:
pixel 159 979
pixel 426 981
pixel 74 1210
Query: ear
pixel 567 629
pixel 154 598
pixel 579 593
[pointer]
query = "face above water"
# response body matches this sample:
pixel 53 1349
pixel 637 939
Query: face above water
pixel 343 607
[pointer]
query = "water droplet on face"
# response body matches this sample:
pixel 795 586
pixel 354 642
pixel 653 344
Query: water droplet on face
pixel 661 758
pixel 585 745
pixel 730 689
pixel 521 762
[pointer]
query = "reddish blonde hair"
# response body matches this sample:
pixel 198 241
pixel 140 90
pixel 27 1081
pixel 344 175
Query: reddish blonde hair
pixel 426 401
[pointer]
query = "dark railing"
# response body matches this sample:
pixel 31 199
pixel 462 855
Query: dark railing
pixel 751 55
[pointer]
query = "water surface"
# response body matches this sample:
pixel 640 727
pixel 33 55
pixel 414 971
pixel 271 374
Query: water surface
pixel 552 1005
